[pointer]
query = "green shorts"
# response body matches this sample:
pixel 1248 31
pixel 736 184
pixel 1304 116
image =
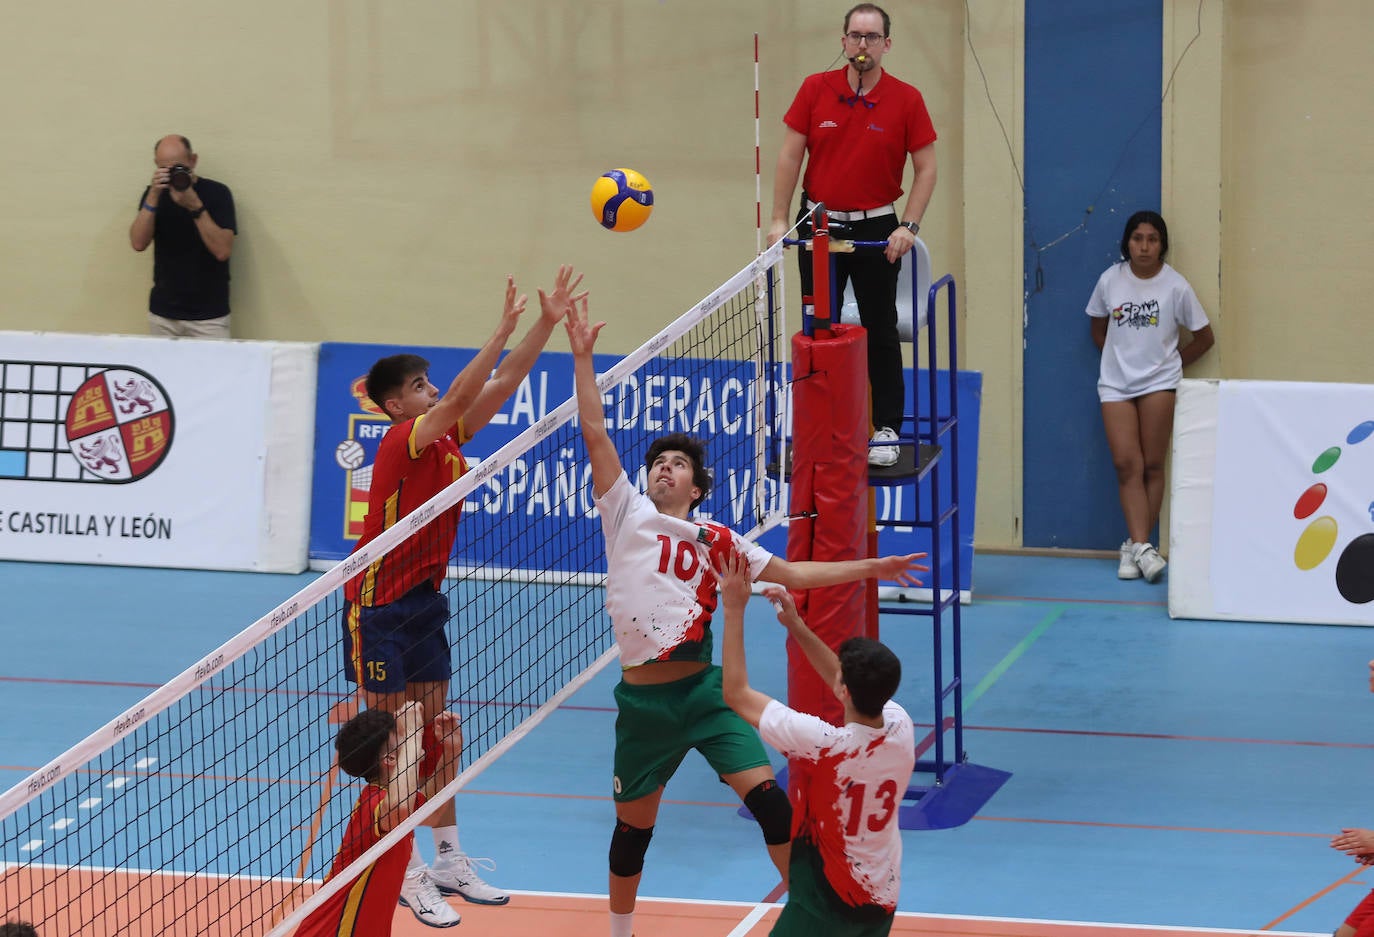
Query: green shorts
pixel 813 907
pixel 658 724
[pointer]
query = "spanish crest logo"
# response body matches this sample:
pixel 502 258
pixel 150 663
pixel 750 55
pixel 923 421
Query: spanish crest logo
pixel 78 422
pixel 119 424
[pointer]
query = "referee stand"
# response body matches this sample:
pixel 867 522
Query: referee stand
pixel 957 788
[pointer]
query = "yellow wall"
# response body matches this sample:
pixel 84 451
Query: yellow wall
pixel 392 161
pixel 1298 191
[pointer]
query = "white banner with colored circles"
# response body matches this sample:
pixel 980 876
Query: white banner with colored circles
pixel 1292 527
pixel 142 451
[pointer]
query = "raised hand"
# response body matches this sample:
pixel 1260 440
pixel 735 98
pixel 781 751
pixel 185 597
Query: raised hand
pixel 555 305
pixel 581 333
pixel 515 305
pixel 410 718
pixel 1356 843
pixel 784 604
pixel 902 568
pixel 732 570
pixel 448 731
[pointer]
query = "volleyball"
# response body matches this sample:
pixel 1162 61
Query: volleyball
pixel 349 454
pixel 622 200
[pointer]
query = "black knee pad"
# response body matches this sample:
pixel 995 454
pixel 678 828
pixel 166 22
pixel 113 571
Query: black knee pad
pixel 628 846
pixel 769 804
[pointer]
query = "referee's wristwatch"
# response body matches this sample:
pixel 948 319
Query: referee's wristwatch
pixel 913 226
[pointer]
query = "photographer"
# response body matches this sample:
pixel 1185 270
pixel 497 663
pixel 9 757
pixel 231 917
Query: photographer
pixel 190 222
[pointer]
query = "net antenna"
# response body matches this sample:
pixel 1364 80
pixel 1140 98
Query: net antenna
pixel 209 807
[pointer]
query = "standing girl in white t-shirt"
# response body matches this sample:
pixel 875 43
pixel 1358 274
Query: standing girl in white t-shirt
pixel 1137 308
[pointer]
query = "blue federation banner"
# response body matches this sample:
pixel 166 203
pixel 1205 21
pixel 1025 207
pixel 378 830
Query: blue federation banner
pixel 549 488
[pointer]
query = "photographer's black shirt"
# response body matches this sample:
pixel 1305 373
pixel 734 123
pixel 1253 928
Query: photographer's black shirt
pixel 188 282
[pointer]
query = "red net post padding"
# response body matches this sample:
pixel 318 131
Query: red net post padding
pixel 829 480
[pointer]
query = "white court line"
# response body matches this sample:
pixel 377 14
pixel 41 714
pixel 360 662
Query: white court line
pixel 750 919
pixel 31 845
pixel 62 824
pixel 762 908
pixel 117 783
pixel 89 803
pixel 145 762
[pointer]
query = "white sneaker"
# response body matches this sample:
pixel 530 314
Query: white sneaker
pixel 885 454
pixel 1127 569
pixel 457 875
pixel 420 895
pixel 1150 562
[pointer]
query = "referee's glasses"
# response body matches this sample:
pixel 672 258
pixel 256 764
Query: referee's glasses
pixel 871 38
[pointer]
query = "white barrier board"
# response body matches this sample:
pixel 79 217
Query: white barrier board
pixel 154 452
pixel 1273 502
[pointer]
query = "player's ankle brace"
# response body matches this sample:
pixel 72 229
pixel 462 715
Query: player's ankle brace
pixel 628 846
pixel 772 810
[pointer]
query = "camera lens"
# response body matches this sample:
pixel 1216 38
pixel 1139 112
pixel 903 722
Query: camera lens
pixel 179 178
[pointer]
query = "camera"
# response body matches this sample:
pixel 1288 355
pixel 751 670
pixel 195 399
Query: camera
pixel 179 177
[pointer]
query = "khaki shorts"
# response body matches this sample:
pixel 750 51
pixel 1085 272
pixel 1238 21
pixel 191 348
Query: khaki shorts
pixel 658 724
pixel 188 328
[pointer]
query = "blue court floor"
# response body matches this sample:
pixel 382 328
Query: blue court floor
pixel 1183 773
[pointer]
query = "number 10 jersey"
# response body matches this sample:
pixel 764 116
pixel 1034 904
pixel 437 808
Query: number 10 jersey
pixel 660 587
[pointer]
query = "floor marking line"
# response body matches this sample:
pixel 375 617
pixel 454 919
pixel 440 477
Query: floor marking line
pixel 750 919
pixel 1012 656
pixel 1344 880
pixel 1151 826
pixel 1051 598
pixel 1162 736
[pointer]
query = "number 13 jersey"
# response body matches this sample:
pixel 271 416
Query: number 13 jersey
pixel 849 807
pixel 660 588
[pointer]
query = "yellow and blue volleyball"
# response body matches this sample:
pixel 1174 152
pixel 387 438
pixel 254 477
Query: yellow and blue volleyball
pixel 622 200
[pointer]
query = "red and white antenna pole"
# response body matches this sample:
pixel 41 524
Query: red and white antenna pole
pixel 758 163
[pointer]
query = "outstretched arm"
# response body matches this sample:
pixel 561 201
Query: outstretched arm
pixel 590 411
pixel 516 365
pixel 1356 843
pixel 468 384
pixel 449 735
pixel 812 574
pixel 733 571
pixel 404 780
pixel 822 659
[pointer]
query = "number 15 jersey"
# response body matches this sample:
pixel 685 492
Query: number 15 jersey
pixel 849 807
pixel 660 587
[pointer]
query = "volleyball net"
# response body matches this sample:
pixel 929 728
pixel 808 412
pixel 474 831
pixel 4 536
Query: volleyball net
pixel 214 805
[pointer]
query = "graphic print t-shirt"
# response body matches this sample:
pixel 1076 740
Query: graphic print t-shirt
pixel 1141 354
pixel 849 808
pixel 660 588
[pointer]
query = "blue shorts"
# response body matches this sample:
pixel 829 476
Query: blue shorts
pixel 389 646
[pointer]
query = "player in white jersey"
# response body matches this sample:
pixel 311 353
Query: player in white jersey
pixel 847 850
pixel 660 593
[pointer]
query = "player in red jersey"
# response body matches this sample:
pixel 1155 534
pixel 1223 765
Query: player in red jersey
pixel 395 647
pixel 1358 844
pixel 385 751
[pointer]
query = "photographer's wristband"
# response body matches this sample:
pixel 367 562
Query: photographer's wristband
pixel 151 208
